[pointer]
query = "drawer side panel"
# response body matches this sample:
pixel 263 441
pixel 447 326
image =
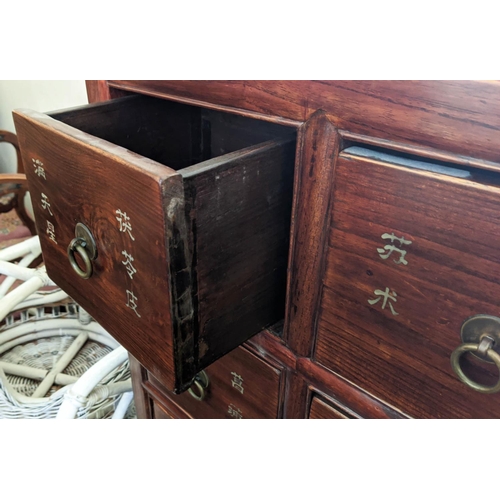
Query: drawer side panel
pixel 241 222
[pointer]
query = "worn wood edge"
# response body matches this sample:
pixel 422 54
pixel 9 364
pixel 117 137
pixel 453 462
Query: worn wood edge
pixel 208 105
pixel 307 234
pixel 422 151
pixel 102 147
pixel 295 220
pixel 181 268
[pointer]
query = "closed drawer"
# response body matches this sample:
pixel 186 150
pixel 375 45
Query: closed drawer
pixel 189 210
pixel 240 385
pixel 159 413
pixel 412 255
pixel 320 409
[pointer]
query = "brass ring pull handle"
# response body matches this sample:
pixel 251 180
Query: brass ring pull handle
pixel 481 337
pixel 78 245
pixel 83 243
pixel 455 363
pixel 201 382
pixel 201 391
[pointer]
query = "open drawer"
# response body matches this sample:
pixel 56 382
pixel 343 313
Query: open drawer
pixel 168 223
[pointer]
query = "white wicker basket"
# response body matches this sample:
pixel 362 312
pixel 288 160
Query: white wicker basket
pixel 35 340
pixel 55 361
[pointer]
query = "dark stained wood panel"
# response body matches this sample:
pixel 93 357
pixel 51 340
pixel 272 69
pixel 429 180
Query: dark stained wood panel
pixel 241 219
pixel 163 131
pixel 241 386
pixel 459 116
pixel 398 347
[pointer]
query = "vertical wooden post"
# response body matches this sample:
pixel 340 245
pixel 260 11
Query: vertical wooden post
pixel 317 153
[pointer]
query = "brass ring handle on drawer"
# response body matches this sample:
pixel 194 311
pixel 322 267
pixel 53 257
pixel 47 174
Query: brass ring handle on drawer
pixel 78 245
pixel 201 382
pixel 484 348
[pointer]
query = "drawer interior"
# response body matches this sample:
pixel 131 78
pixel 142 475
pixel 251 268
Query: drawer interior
pixel 173 134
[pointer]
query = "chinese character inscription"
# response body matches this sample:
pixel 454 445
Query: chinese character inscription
pixel 237 382
pixel 388 250
pixel 385 296
pixel 234 412
pixel 125 226
pixel 131 270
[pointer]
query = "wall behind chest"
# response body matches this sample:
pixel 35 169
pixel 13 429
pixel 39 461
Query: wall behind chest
pixel 44 95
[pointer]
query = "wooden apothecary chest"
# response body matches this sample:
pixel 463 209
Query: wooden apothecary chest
pixel 390 246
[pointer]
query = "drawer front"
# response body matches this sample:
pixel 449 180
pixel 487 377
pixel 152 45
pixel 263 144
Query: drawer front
pixel 159 413
pixel 412 255
pixel 321 409
pixel 190 258
pixel 240 385
pixel 76 178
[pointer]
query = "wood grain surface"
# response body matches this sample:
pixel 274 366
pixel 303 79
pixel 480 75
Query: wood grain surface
pixel 458 116
pixel 365 354
pixel 318 144
pixel 398 346
pixel 241 386
pixel 97 90
pixel 87 180
pixel 241 218
pixel 304 376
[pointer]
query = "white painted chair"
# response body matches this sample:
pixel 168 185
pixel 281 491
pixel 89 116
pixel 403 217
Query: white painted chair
pixel 43 333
